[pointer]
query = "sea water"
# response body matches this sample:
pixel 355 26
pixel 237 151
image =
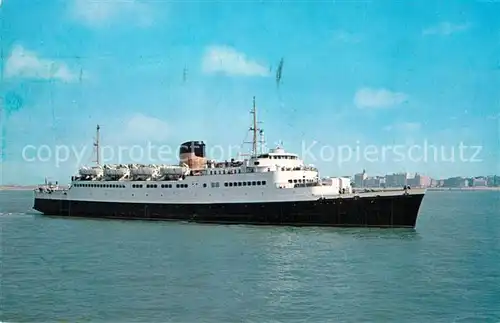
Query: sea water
pixel 83 270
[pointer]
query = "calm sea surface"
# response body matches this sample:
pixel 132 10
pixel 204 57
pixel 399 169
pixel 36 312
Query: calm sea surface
pixel 79 270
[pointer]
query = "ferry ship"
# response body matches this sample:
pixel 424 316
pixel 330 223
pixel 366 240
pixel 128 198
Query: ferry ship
pixel 274 187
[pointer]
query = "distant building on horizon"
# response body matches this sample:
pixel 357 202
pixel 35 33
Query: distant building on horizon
pixel 435 182
pixel 375 181
pixel 479 182
pixel 420 181
pixel 455 182
pixel 493 180
pixel 396 180
pixel 359 179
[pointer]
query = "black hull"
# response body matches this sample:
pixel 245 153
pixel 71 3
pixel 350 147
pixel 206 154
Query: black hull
pixel 396 211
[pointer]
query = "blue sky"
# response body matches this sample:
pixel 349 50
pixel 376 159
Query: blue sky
pixel 355 73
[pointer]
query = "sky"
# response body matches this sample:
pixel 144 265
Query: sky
pixel 386 86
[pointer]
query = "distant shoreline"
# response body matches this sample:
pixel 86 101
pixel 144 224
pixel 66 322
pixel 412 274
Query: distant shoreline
pixel 17 188
pixel 487 188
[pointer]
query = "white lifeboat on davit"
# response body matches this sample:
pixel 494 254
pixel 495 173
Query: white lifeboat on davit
pixel 91 171
pixel 143 170
pixel 116 170
pixel 174 169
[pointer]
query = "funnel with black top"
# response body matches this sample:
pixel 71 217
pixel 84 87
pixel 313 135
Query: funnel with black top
pixel 192 153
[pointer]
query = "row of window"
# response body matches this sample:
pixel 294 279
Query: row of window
pixel 300 181
pixel 161 186
pixel 100 185
pixel 278 157
pixel 223 172
pixel 249 183
pixel 213 185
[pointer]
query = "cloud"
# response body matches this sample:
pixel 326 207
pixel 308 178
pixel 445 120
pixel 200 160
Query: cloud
pixel 445 29
pixel 346 37
pixel 100 12
pixel 225 59
pixel 404 126
pixel 378 98
pixel 136 129
pixel 26 64
pixel 147 128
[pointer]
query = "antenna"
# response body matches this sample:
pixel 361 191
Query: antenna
pixel 254 129
pixel 96 145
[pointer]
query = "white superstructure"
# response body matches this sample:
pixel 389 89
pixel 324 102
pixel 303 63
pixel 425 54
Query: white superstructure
pixel 275 176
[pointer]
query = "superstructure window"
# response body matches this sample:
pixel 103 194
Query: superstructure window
pixel 239 184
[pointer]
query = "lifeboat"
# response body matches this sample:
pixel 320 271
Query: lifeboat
pixel 116 170
pixel 91 171
pixel 143 170
pixel 174 170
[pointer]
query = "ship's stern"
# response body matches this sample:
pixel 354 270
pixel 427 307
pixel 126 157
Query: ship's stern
pixel 49 201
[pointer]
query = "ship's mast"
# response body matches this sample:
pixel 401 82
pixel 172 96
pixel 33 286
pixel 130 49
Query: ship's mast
pixel 256 132
pixel 96 145
pixel 254 129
